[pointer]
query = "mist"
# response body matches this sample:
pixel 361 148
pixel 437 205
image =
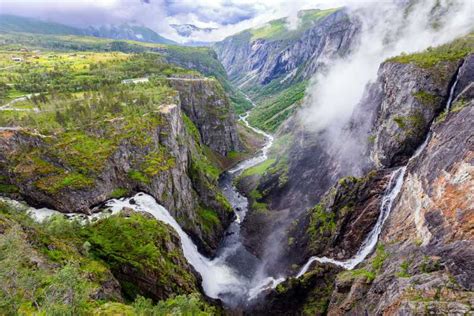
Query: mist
pixel 388 29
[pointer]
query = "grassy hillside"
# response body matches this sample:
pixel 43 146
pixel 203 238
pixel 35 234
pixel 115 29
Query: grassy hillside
pixel 202 59
pixel 11 23
pixel 280 94
pixel 279 30
pixel 60 267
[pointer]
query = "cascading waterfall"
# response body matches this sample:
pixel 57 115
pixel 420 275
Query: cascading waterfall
pixel 368 245
pixel 232 275
pixel 393 189
pixel 217 277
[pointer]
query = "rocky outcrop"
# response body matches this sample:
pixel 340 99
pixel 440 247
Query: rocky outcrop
pixel 421 263
pixel 161 274
pixel 205 103
pixel 308 295
pixel 162 162
pixel 411 97
pixel 339 223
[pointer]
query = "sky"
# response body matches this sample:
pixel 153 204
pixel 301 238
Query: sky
pixel 226 16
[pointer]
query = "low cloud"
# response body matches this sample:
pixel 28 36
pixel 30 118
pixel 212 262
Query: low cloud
pixel 226 16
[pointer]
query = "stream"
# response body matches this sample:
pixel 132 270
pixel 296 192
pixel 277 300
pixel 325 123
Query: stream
pixel 235 275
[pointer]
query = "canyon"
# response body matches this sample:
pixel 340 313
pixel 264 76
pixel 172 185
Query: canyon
pixel 234 179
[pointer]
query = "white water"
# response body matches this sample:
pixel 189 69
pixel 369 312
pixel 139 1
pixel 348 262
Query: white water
pixel 451 94
pixel 263 154
pixel 220 278
pixel 217 277
pixel 393 189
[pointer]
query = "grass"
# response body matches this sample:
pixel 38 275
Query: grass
pixel 379 259
pixel 427 99
pixel 72 274
pixel 279 30
pixel 209 219
pixel 138 176
pixel 56 182
pixel 403 272
pixel 258 169
pixel 118 193
pixel 277 107
pixel 450 52
pixel 357 274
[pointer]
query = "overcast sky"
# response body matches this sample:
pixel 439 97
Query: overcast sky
pixel 228 16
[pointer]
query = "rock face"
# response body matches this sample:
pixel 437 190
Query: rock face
pixel 411 97
pixel 176 176
pixel 422 261
pixel 249 60
pixel 205 103
pixel 339 223
pixel 429 237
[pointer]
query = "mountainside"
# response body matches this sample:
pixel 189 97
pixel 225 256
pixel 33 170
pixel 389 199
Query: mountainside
pixel 18 24
pixel 120 138
pixel 12 23
pixel 421 261
pixel 186 30
pixel 128 32
pixel 137 178
pixel 272 63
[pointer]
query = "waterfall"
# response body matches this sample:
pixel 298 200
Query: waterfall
pixel 451 91
pixel 217 277
pixel 393 189
pixel 368 245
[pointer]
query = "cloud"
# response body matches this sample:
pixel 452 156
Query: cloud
pixel 387 31
pixel 228 16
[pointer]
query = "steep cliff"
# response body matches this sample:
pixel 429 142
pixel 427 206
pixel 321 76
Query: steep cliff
pixel 205 103
pixel 272 63
pixel 421 262
pixel 58 266
pixel 428 238
pixel 154 150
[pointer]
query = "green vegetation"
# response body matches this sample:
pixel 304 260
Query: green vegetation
pixel 209 219
pixel 258 169
pixel 118 193
pixel 141 244
pixel 379 259
pixel 427 99
pixel 369 276
pixel 412 124
pixel 279 30
pixel 430 264
pixel 256 197
pixel 277 107
pixel 183 305
pixel 404 266
pixel 322 225
pixel 75 117
pixel 57 267
pixel 453 51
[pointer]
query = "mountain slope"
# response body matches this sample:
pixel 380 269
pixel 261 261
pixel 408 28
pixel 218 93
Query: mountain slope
pixel 420 261
pixel 11 23
pixel 17 24
pixel 274 62
pixel 128 32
